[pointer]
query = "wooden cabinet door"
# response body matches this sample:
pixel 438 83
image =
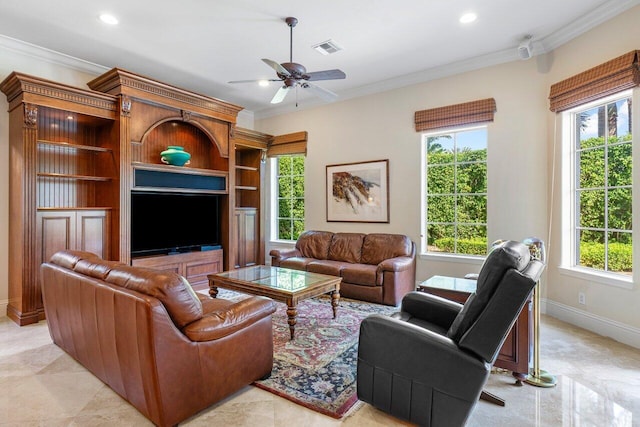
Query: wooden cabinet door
pixel 92 232
pixel 56 230
pixel 246 224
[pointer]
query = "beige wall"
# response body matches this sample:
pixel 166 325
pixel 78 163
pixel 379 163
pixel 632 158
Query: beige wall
pixel 520 155
pixel 381 127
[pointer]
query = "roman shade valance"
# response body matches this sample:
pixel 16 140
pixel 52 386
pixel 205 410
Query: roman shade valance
pixel 456 115
pixel 292 143
pixel 605 79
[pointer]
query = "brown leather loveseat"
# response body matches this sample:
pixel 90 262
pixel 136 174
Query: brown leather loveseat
pixel 375 267
pixel 146 334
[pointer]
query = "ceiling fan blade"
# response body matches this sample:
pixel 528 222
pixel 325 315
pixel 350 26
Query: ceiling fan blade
pixel 279 68
pixel 280 94
pixel 255 81
pixel 323 93
pixel 326 75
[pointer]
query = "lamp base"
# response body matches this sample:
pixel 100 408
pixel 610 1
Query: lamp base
pixel 543 379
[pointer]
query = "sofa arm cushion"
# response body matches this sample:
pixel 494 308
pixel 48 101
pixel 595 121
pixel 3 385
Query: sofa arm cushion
pixel 220 323
pixel 282 254
pixel 400 263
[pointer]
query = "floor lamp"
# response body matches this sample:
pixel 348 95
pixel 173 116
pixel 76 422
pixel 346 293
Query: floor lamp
pixel 537 376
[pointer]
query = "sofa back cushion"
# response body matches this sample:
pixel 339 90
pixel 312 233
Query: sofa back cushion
pixel 174 293
pixel 377 247
pixel 346 247
pixel 314 244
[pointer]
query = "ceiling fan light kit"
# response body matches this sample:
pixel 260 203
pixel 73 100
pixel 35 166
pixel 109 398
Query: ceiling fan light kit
pixel 294 75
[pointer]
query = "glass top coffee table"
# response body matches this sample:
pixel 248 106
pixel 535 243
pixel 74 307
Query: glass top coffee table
pixel 281 284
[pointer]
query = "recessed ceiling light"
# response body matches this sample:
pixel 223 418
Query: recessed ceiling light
pixel 468 17
pixel 108 19
pixel 263 83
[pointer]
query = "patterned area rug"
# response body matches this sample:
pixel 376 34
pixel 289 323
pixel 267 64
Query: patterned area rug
pixel 317 369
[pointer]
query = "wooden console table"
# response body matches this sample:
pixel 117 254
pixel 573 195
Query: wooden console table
pixel 517 349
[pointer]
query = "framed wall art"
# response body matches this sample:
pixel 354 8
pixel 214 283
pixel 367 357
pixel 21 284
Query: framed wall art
pixel 358 192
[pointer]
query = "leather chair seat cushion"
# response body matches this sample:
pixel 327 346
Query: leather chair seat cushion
pixel 296 263
pixel 377 247
pixel 314 244
pixel 510 255
pixel 325 266
pixel 346 247
pixel 360 274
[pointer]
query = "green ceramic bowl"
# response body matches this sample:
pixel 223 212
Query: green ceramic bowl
pixel 175 155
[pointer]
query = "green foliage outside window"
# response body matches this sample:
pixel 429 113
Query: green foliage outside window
pixel 456 202
pixel 603 187
pixel 290 177
pixel 600 186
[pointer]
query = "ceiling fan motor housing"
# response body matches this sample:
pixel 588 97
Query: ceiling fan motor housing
pixel 296 71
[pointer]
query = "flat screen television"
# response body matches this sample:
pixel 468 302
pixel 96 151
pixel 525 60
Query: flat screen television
pixel 165 223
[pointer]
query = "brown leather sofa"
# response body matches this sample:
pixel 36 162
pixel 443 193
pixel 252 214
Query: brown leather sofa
pixel 375 267
pixel 146 334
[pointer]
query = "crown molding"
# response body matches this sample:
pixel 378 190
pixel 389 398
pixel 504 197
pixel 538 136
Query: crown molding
pixel 50 56
pixel 592 19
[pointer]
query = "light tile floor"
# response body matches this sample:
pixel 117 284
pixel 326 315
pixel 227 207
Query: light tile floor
pixel 598 385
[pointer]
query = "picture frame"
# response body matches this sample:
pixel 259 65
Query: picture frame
pixel 358 192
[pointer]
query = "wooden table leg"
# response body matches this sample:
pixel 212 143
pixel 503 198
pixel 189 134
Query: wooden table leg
pixel 335 298
pixel 213 291
pixel 292 314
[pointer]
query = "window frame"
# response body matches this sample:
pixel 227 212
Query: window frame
pixel 275 197
pixel 569 186
pixel 448 256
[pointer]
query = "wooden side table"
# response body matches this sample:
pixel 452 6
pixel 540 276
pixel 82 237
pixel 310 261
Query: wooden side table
pixel 517 350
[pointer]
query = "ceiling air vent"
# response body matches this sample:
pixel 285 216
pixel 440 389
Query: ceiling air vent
pixel 327 47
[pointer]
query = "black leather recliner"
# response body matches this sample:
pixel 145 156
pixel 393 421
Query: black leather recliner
pixel 427 364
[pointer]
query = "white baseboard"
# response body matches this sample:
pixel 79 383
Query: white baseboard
pixel 600 325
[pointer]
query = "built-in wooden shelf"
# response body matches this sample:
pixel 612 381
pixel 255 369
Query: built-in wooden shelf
pixel 247 168
pixel 75 146
pixel 72 176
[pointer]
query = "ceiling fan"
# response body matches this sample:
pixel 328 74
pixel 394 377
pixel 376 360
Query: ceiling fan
pixel 294 75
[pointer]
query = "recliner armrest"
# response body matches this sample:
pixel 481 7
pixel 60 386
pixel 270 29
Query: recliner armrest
pixel 220 323
pixel 431 308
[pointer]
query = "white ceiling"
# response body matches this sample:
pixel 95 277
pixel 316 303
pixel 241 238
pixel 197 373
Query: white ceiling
pixel 201 45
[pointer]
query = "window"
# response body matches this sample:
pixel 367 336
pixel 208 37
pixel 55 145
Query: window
pixel 290 196
pixel 456 191
pixel 601 140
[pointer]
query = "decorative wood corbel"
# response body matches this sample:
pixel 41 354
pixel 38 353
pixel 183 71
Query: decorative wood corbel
pixel 30 115
pixel 125 110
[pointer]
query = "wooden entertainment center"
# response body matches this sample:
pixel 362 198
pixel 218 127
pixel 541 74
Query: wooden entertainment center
pixel 78 154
